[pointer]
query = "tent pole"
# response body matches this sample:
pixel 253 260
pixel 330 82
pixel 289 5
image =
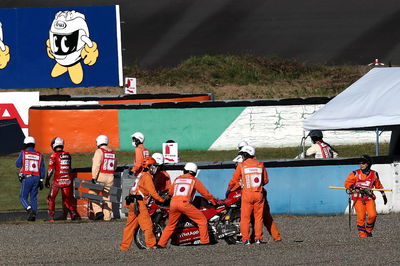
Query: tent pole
pixel 304 144
pixel 377 142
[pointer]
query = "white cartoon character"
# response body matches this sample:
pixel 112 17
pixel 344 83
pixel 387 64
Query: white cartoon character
pixel 4 51
pixel 69 43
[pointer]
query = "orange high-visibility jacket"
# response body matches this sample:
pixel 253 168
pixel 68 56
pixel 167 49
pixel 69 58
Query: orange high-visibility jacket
pixel 144 186
pixel 359 179
pixel 250 175
pixel 140 153
pixel 185 186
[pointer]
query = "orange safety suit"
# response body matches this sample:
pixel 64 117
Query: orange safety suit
pixel 252 176
pixel 162 181
pixel 104 163
pixel 140 153
pixel 183 190
pixel 364 205
pixel 269 222
pixel 144 187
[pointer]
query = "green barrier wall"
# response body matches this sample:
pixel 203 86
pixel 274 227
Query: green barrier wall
pixel 192 128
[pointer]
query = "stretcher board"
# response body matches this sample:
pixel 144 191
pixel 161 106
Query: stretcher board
pixel 81 187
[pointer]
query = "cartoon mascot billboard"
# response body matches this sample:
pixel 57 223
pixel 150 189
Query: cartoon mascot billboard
pixel 69 43
pixel 4 50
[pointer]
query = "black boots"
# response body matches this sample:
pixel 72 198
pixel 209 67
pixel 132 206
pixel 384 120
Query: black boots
pixel 31 215
pixel 99 216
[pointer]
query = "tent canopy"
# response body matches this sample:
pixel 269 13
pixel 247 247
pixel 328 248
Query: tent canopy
pixel 373 101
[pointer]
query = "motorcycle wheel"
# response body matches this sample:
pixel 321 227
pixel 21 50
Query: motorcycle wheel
pixel 139 236
pixel 235 220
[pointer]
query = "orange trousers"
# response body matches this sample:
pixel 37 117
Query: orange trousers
pixel 361 211
pixel 252 202
pixel 177 208
pixel 270 224
pixel 144 221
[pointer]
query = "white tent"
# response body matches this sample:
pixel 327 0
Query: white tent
pixel 372 101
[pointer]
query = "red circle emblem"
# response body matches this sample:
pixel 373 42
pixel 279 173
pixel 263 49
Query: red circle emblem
pixel 33 165
pixel 256 180
pixel 182 189
pixel 111 165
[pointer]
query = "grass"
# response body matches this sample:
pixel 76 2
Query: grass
pixel 10 185
pixel 236 77
pixel 255 77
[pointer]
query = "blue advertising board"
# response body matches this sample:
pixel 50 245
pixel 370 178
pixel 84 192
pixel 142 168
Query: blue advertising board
pixel 293 190
pixel 60 47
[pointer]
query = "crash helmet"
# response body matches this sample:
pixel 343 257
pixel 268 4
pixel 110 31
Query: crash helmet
pixel 248 151
pixel 148 161
pixel 57 142
pixel 148 164
pixel 190 168
pixel 366 159
pixel 242 144
pixel 159 158
pixel 29 140
pixel 137 138
pixel 101 140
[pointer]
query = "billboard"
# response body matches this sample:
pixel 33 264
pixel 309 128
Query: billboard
pixel 60 47
pixel 15 105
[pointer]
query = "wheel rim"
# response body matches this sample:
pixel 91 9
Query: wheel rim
pixel 140 239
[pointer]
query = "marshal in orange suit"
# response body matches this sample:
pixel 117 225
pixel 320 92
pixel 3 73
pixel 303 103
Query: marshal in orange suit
pixel 183 191
pixel 252 176
pixel 138 214
pixel 268 221
pixel 360 182
pixel 140 152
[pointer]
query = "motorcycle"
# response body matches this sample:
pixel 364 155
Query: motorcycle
pixel 223 222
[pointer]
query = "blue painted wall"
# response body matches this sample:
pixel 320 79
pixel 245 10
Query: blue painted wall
pixel 293 190
pixel 26 30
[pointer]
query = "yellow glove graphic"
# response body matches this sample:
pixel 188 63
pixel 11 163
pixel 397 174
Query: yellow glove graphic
pixel 89 53
pixel 49 53
pixel 4 55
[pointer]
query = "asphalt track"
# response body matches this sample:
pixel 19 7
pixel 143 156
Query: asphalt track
pixel 308 240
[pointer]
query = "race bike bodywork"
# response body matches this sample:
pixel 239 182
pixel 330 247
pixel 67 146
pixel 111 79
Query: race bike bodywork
pixel 223 222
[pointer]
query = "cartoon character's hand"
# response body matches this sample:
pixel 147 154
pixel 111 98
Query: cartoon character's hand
pixel 89 52
pixel 49 52
pixel 4 55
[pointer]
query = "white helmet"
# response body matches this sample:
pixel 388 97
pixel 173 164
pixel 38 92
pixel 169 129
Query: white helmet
pixel 249 150
pixel 57 141
pixel 242 144
pixel 29 140
pixel 102 139
pixel 139 136
pixel 191 167
pixel 159 158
